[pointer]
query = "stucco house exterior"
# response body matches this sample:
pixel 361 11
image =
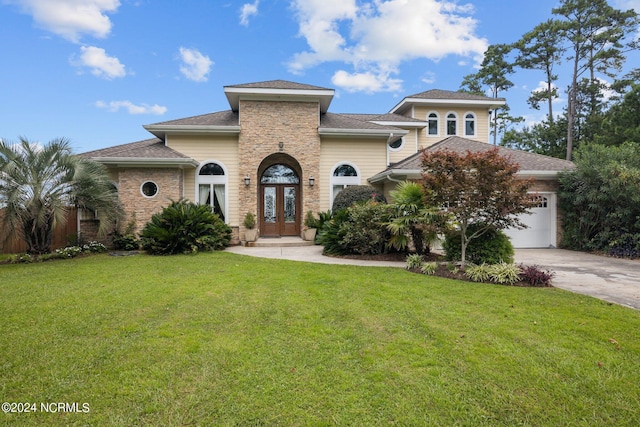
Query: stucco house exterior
pixel 279 152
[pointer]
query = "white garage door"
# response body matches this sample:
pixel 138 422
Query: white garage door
pixel 541 231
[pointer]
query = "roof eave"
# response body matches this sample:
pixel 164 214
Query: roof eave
pixel 388 175
pixel 489 103
pixel 146 161
pixel 234 94
pixel 401 124
pixel 161 130
pixel 375 133
pixel 538 174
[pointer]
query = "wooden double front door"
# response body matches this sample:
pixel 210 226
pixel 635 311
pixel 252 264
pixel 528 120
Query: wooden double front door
pixel 280 210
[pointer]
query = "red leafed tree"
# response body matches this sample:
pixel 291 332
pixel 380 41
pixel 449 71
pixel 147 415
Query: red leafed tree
pixel 476 188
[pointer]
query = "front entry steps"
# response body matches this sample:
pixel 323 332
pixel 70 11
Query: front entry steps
pixel 278 242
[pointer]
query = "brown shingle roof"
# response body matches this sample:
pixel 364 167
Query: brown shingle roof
pixel 388 117
pixel 527 161
pixel 147 149
pixel 448 94
pixel 346 121
pixel 221 118
pixel 278 84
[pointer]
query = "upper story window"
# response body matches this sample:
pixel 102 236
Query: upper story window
pixel 452 124
pixel 434 123
pixel 211 187
pixel 470 124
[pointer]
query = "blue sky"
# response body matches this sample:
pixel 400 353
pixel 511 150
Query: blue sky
pixel 95 71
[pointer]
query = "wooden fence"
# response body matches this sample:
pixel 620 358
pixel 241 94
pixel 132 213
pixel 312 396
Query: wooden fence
pixel 62 234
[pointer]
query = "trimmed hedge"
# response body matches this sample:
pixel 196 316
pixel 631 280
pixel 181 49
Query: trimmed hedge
pixel 493 247
pixel 357 194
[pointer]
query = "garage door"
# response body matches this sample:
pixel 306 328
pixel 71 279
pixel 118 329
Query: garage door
pixel 541 231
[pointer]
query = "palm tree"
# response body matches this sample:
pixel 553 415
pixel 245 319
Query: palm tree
pixel 39 184
pixel 413 218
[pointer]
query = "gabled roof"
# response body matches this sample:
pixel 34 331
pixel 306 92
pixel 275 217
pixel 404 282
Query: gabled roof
pixel 438 97
pixel 149 152
pixel 531 164
pixel 280 90
pixel 343 124
pixel 221 123
pixel 278 84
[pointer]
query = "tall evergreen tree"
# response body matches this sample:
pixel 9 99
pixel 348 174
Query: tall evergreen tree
pixel 595 34
pixel 540 49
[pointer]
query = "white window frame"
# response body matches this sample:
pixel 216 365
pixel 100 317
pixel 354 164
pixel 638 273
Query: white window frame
pixel 447 120
pixel 154 183
pixel 437 119
pixel 213 180
pixel 345 181
pixel 399 148
pixel 474 119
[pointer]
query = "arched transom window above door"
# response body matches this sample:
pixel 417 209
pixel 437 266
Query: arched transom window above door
pixel 211 187
pixel 343 175
pixel 279 174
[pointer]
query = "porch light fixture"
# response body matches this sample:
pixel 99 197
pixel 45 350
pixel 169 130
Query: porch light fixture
pixel 247 180
pixel 312 181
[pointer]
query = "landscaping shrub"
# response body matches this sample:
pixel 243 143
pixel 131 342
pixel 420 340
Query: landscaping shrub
pixel 429 268
pixel 127 240
pixel 355 194
pixel 492 247
pixel 331 234
pixel 185 227
pixel 413 261
pixel 504 274
pixel 601 200
pixel 365 231
pixel 62 253
pixel 534 276
pixel 360 229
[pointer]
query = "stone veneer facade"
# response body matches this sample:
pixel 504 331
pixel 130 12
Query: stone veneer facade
pixel 277 132
pixel 170 184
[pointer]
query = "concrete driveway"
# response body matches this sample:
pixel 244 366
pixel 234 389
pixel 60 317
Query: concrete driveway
pixel 610 279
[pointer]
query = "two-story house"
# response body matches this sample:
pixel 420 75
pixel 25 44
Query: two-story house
pixel 278 152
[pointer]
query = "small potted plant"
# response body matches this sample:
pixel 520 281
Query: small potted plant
pixel 250 234
pixel 310 226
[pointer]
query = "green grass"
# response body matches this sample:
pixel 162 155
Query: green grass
pixel 222 339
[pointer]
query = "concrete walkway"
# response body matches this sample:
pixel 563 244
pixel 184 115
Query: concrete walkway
pixel 609 279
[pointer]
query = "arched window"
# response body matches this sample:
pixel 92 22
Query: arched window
pixel 469 124
pixel 211 185
pixel 279 174
pixel 452 124
pixel 343 175
pixel 434 123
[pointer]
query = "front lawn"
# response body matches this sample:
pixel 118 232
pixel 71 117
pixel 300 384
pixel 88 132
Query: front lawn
pixel 223 339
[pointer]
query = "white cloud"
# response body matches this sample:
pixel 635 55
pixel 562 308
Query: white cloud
pixel 71 18
pixel 247 10
pixel 115 106
pixel 369 82
pixel 101 64
pixel 195 66
pixel 627 4
pixel 375 37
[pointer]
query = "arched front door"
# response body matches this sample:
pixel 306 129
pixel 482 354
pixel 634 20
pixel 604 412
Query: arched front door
pixel 280 195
